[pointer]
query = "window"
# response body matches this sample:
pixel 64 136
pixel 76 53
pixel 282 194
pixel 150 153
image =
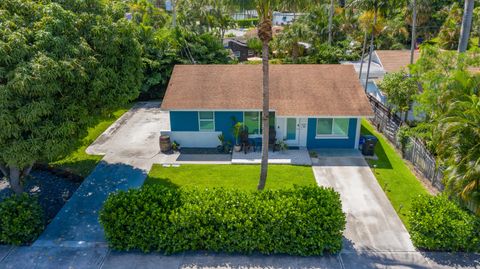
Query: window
pixel 332 127
pixel 206 121
pixel 251 120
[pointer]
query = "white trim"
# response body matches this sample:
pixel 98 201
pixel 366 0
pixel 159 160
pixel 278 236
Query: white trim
pixel 260 110
pixel 331 137
pixel 357 135
pixel 199 120
pixel 215 110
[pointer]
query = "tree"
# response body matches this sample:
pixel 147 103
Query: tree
pixel 449 34
pixel 60 66
pixel 376 6
pixel 466 26
pixel 400 89
pixel 265 34
pixel 460 148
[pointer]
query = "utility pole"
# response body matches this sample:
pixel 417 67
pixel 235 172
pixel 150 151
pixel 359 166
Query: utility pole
pixel 330 22
pixel 371 47
pixel 414 29
pixel 174 13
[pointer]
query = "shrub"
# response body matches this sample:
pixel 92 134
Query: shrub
pixel 440 224
pixel 21 220
pixel 247 23
pixel 303 221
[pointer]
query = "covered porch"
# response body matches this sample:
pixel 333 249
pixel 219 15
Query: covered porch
pixel 291 156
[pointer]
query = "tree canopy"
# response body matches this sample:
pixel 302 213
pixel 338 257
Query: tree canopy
pixel 60 65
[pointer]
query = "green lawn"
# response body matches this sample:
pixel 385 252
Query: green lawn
pixel 79 162
pixel 244 177
pixel 393 174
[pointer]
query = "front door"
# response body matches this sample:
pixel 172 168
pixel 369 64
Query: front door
pixel 292 132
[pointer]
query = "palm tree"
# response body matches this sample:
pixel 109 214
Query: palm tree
pixel 376 6
pixel 460 133
pixel 265 33
pixel 466 25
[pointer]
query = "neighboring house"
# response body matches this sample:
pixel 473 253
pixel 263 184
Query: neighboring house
pixel 240 50
pixel 383 62
pixel 312 106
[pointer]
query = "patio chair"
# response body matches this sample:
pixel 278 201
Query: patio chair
pixel 247 144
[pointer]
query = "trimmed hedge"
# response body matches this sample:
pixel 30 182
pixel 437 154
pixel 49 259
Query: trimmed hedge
pixel 21 219
pixel 302 221
pixel 247 23
pixel 440 224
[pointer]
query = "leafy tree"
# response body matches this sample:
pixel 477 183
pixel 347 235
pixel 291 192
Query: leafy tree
pixel 449 34
pixel 400 89
pixel 60 66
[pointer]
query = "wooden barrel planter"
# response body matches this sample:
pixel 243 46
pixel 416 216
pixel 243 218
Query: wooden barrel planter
pixel 165 144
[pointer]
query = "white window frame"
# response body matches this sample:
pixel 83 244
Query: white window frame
pixel 200 120
pixel 332 136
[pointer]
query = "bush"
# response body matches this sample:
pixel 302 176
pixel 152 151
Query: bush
pixel 303 221
pixel 247 23
pixel 439 224
pixel 21 220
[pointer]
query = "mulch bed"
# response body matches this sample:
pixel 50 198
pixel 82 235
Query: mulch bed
pixel 53 187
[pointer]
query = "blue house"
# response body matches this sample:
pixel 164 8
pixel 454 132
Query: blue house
pixel 311 106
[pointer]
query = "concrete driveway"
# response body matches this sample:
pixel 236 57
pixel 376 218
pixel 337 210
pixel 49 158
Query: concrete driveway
pixel 372 223
pixel 135 135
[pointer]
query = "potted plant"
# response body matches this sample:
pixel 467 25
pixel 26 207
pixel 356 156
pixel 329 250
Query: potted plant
pixel 225 146
pixel 282 146
pixel 313 156
pixel 237 129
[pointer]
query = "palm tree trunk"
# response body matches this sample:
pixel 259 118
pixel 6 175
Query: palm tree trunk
pixel 414 29
pixel 265 117
pixel 330 22
pixel 371 48
pixel 466 25
pixel 363 53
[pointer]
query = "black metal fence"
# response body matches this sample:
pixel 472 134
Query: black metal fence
pixel 389 123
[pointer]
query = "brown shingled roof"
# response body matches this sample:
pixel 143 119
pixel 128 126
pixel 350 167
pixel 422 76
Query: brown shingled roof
pixel 295 90
pixel 396 60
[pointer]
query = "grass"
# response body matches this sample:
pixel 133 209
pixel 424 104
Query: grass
pixel 394 175
pixel 243 177
pixel 79 162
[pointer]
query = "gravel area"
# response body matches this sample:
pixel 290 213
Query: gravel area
pixel 52 191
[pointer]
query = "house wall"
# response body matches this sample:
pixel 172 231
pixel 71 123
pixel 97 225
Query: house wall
pixel 185 129
pixel 224 123
pixel 346 143
pixel 184 121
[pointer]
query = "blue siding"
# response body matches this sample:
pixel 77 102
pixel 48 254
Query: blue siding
pixel 313 143
pixel 184 121
pixel 224 123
